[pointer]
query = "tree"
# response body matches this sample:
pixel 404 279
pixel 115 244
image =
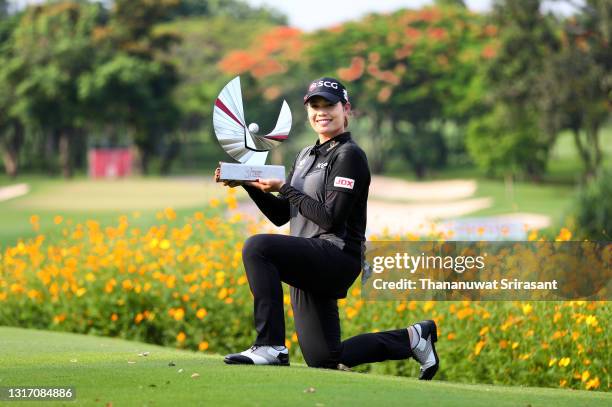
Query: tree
pixel 52 49
pixel 527 40
pixel 238 11
pixel 11 127
pixel 3 9
pixel 131 84
pixel 205 42
pixel 272 68
pixel 411 72
pixel 577 82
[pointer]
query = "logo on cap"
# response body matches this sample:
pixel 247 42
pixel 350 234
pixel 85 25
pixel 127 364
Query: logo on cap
pixel 312 87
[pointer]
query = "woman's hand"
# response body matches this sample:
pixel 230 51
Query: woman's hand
pixel 268 185
pixel 231 184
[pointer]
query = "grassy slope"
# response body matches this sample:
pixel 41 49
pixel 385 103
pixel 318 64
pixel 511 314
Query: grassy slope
pixel 101 375
pixel 104 201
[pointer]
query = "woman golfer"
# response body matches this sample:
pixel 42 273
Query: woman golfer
pixel 324 198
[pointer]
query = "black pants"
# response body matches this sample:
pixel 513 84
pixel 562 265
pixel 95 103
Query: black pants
pixel 319 273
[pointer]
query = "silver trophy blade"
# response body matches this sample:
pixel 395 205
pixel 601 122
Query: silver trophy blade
pixel 233 134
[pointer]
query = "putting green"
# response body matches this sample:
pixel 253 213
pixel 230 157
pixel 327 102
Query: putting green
pixel 126 195
pixel 104 370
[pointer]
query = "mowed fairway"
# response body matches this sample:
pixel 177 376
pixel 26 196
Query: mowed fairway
pixel 103 201
pixel 99 370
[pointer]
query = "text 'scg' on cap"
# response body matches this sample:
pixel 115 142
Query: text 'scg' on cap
pixel 329 88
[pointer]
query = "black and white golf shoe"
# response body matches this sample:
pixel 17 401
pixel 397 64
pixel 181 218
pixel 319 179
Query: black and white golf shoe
pixel 425 351
pixel 260 355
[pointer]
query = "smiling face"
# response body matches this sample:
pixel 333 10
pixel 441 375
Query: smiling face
pixel 326 118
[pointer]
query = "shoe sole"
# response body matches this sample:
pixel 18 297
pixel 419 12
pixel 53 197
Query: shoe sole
pixel 429 373
pixel 232 362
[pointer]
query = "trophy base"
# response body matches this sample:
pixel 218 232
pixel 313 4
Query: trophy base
pixel 246 172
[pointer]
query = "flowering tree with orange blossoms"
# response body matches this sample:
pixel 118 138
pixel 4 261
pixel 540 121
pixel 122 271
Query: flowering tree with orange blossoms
pixel 271 68
pixel 413 69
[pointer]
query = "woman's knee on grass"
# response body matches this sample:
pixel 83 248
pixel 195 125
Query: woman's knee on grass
pixel 320 357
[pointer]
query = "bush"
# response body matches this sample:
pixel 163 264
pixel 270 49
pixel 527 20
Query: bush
pixel 181 283
pixel 592 213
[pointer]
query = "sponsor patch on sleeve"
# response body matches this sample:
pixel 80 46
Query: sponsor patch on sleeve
pixel 344 182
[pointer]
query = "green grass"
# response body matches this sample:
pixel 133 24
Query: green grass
pixel 551 200
pixel 98 369
pixel 81 199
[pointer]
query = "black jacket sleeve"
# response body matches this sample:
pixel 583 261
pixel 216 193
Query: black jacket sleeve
pixel 347 177
pixel 275 208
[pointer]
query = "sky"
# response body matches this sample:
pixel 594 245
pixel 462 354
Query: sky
pixel 310 15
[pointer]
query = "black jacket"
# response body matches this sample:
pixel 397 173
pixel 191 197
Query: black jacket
pixel 325 195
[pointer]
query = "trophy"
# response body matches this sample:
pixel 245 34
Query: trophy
pixel 241 142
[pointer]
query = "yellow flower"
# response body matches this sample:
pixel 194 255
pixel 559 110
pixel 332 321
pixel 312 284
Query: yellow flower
pixel 563 362
pixel 57 219
pixel 153 243
pixel 564 235
pixel 428 306
pixel 165 244
pixel 222 293
pixel 170 214
pixel 181 337
pixel 201 313
pixel 214 202
pixel 202 346
pixel 127 284
pixel 585 376
pixel 527 308
pixel 559 334
pixel 59 318
pixel 533 235
pixel 552 362
pixel 479 347
pixel 515 345
pixel 483 331
pixel 591 320
pixel 592 384
pixel 464 312
pixel 179 314
pixel 114 317
pixel 451 336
